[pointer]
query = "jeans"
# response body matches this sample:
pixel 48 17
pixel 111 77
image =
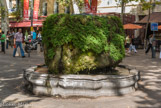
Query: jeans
pixel 3 46
pixel 132 47
pixel 18 44
pixel 11 42
pixel 7 43
pixel 149 47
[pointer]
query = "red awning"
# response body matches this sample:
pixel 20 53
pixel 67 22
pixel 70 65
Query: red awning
pixel 26 24
pixel 132 26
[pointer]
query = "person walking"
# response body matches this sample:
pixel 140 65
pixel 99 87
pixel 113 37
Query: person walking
pixel 34 35
pixel 7 39
pixel 3 39
pixel 132 45
pixel 40 41
pixel 12 38
pixel 26 35
pixel 150 44
pixel 18 43
pixel 39 35
pixel 127 43
pixel 0 37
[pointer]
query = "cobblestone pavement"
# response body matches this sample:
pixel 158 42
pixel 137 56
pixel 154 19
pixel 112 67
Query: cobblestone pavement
pixel 11 95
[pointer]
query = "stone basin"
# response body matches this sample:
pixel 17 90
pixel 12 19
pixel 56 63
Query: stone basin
pixel 81 85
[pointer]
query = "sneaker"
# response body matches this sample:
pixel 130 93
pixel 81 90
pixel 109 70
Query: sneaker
pixel 23 56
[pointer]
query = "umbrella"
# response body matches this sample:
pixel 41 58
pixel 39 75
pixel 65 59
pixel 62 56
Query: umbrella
pixel 159 27
pixel 132 26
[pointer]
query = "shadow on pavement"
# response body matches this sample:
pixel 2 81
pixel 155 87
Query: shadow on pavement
pixel 150 84
pixel 11 79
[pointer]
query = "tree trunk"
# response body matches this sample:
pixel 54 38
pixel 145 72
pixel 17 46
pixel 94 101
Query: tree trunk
pixel 122 10
pixel 136 20
pixel 71 7
pixel 147 24
pixel 4 16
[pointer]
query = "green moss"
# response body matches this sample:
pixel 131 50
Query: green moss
pixel 89 35
pixel 74 61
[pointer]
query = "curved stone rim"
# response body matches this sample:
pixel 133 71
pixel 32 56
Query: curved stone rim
pixel 81 85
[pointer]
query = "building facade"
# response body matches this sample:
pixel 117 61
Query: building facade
pixel 103 6
pixel 48 7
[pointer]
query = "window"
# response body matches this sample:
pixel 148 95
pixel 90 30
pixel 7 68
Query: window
pixel 109 2
pixel 10 4
pixel 67 10
pixel 44 9
pixel 56 7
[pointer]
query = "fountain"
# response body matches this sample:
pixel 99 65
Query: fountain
pixel 82 55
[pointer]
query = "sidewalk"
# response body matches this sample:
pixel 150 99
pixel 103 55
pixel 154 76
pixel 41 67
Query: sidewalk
pixel 148 96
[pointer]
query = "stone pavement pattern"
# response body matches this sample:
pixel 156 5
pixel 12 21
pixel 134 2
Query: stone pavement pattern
pixel 148 96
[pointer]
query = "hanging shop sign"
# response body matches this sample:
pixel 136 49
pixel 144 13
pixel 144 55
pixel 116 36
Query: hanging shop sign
pixel 91 8
pixel 26 9
pixel 87 7
pixel 36 9
pixel 94 6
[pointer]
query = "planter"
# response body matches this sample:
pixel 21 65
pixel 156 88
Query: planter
pixel 81 85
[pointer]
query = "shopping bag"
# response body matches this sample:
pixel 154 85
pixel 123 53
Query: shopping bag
pixel 14 45
pixel 17 54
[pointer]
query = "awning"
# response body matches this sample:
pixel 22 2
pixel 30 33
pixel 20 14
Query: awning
pixel 132 26
pixel 154 17
pixel 26 24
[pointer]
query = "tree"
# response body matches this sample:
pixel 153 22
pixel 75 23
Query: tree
pixel 19 11
pixel 150 5
pixel 123 4
pixel 146 5
pixel 4 16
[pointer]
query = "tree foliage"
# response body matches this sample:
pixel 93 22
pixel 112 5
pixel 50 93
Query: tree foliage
pixel 19 11
pixel 146 4
pixel 4 16
pixel 3 11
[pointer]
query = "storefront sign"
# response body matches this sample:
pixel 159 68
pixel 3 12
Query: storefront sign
pixel 36 9
pixel 154 26
pixel 26 9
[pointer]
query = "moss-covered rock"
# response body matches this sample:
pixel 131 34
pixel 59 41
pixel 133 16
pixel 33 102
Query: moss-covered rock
pixel 75 43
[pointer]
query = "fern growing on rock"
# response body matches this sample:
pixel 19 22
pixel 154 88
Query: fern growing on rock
pixel 75 43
